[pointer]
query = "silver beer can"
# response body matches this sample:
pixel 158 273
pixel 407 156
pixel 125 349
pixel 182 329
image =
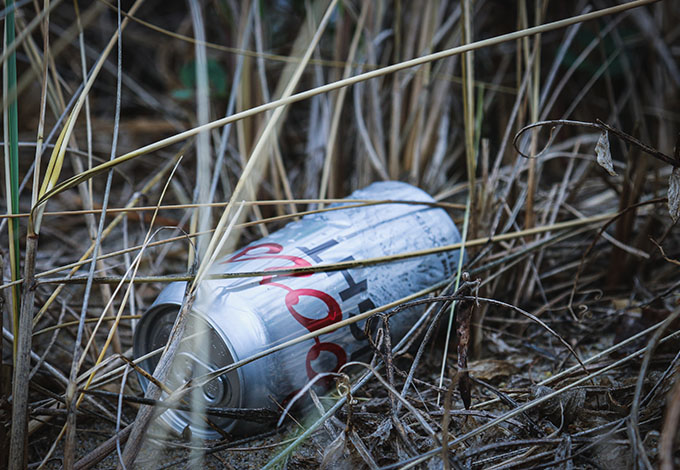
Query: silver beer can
pixel 233 319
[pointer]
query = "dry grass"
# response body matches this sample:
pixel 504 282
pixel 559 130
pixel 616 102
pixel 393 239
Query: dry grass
pixel 561 331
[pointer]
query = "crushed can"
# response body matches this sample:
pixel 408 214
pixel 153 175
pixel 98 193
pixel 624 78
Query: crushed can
pixel 235 318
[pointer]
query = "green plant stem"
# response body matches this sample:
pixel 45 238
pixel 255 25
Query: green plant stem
pixel 12 154
pixel 461 256
pixel 21 324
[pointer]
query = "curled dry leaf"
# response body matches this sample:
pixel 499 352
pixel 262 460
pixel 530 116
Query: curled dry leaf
pixel 333 452
pixel 563 408
pixel 674 194
pixel 604 153
pixel 382 431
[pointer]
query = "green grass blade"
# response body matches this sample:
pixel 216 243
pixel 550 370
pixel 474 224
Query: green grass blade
pixel 12 159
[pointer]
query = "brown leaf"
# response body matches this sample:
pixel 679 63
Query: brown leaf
pixel 490 369
pixel 604 153
pixel 674 194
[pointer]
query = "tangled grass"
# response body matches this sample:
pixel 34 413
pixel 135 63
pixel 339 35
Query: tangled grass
pixel 132 132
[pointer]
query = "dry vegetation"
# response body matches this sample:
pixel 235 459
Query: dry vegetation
pixel 563 253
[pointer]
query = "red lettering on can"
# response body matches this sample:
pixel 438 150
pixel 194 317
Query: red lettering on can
pixel 315 351
pixel 272 253
pixel 292 299
pixel 312 324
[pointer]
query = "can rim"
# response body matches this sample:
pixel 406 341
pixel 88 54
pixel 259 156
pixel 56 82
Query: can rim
pixel 142 336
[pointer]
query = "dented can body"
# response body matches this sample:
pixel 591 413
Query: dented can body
pixel 233 319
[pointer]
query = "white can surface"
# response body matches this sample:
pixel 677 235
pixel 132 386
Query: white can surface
pixel 232 319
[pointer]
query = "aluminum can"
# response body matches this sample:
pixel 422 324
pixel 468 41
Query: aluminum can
pixel 233 319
